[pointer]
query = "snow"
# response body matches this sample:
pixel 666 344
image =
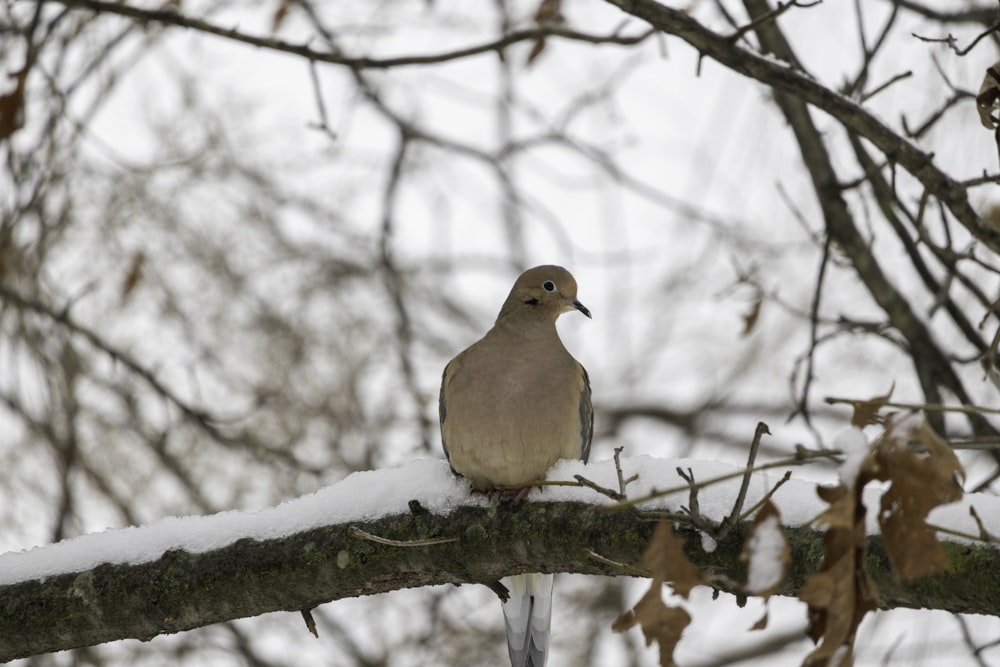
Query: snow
pixel 359 497
pixel 368 495
pixel 854 444
pixel 766 549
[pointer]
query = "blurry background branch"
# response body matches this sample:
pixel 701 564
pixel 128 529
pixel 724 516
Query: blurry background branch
pixel 788 79
pixel 175 18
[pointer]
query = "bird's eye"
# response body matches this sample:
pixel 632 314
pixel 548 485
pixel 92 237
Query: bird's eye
pixel 549 286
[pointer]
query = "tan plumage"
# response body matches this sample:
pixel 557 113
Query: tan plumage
pixel 511 405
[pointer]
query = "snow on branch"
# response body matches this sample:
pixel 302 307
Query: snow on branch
pixel 418 525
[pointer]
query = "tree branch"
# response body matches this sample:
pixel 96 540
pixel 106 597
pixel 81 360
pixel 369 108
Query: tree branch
pixel 181 590
pixel 984 14
pixel 173 18
pixel 784 78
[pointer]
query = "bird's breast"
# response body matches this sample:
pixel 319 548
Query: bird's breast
pixel 511 429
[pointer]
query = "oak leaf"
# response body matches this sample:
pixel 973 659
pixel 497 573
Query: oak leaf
pixel 866 412
pixel 659 622
pixel 841 593
pixel 667 561
pixel 919 482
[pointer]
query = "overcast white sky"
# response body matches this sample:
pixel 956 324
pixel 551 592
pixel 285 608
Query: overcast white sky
pixel 714 141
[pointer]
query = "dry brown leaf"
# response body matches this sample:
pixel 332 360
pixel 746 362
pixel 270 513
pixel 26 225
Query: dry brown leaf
pixel 991 215
pixel 919 483
pixel 835 608
pixel 134 274
pixel 536 50
pixel 988 99
pixel 866 412
pixel 548 11
pixel 659 622
pixel 762 623
pixel 751 317
pixel 765 552
pixel 841 593
pixel 831 494
pixel 840 513
pixel 12 106
pixel 280 14
pixel 667 561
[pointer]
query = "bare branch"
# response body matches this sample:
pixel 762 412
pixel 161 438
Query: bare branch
pixel 772 15
pixel 951 42
pixel 737 510
pixel 173 18
pixel 849 113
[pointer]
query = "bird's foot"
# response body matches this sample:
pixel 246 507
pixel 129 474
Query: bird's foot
pixel 518 495
pixel 514 495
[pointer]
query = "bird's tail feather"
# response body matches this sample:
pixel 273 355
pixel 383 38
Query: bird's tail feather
pixel 528 615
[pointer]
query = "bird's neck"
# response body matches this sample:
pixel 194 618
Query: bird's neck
pixel 526 322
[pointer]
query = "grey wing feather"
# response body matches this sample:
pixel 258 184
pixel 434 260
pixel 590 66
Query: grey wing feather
pixel 586 417
pixel 443 411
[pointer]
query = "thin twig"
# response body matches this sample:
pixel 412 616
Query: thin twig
pixel 926 407
pixel 985 179
pixel 801 457
pixel 694 507
pixel 698 520
pixel 613 563
pixel 310 622
pixel 802 408
pixel 622 482
pixel 603 490
pixel 170 17
pixel 354 531
pixel 974 443
pixel 770 16
pixel 899 77
pixel 956 533
pixel 324 121
pixel 767 496
pixel 970 642
pixel 984 534
pixel 950 40
pixel 540 483
pixel 733 517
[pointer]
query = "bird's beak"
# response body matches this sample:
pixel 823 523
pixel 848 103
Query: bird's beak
pixel 579 306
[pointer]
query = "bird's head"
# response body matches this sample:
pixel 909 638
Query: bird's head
pixel 546 290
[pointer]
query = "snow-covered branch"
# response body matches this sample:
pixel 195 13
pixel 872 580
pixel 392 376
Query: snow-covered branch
pixel 183 573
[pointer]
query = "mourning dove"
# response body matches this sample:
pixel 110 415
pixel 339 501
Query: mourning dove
pixel 511 405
